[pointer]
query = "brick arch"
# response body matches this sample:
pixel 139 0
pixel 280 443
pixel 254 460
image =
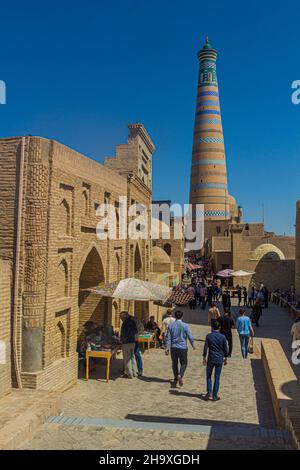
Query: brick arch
pixel 267 251
pixel 92 307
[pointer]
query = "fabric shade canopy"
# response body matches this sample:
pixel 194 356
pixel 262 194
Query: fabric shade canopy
pixel 225 273
pixel 180 297
pixel 193 266
pixel 242 273
pixel 133 289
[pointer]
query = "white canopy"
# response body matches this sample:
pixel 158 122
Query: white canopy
pixel 225 273
pixel 242 273
pixel 133 289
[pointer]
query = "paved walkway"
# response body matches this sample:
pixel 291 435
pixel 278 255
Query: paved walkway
pixel 146 413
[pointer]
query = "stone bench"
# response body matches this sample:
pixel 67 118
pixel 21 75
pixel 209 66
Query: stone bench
pixel 283 386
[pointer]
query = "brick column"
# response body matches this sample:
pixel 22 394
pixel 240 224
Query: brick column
pixel 36 227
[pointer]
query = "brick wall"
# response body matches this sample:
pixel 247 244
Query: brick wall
pixel 60 253
pixel 5 346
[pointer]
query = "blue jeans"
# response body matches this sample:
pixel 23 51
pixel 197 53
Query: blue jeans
pixel 138 357
pixel 209 370
pixel 244 339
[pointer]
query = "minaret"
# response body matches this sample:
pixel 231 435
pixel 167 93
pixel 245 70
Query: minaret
pixel 208 174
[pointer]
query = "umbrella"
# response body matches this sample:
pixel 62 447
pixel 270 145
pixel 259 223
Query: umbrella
pixel 133 289
pixel 242 273
pixel 193 266
pixel 225 273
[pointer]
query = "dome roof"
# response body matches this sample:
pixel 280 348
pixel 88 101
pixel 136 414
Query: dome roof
pixel 160 256
pixel 207 45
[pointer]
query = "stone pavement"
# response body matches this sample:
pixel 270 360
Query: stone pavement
pixel 137 414
pixel 22 412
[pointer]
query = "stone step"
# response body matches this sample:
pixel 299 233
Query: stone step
pixel 22 412
pixel 214 430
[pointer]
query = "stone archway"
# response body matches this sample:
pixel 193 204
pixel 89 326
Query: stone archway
pixel 267 251
pixel 92 307
pixel 271 267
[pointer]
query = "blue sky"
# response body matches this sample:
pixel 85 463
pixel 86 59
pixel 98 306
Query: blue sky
pixel 80 71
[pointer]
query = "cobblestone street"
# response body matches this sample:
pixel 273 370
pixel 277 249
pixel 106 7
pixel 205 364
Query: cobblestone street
pixel 146 413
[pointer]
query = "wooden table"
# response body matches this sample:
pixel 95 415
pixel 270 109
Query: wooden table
pixel 102 354
pixel 147 340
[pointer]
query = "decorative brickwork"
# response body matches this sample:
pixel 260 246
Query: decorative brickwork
pixel 49 194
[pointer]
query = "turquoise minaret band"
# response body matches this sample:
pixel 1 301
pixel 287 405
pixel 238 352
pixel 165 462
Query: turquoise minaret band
pixel 208 174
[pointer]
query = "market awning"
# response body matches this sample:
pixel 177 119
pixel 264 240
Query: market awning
pixel 133 289
pixel 193 266
pixel 225 273
pixel 242 273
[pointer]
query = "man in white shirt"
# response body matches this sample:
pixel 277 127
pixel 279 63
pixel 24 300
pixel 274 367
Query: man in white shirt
pixel 167 321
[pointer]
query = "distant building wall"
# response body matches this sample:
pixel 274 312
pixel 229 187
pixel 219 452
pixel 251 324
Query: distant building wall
pixel 276 274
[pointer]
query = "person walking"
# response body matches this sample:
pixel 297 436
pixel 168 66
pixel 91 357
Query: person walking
pixel 210 294
pixel 203 296
pixel 128 336
pixel 226 301
pixel 213 313
pixel 197 293
pixel 216 349
pixel 137 349
pixel 167 321
pixel 256 312
pixel 266 297
pixel 250 297
pixel 176 341
pixel 245 296
pixel 191 291
pixel 227 324
pixel 244 328
pixel 239 295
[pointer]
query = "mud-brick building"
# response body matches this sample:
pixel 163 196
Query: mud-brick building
pixel 250 247
pixel 49 249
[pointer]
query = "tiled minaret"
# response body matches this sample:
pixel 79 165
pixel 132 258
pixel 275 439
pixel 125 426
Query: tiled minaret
pixel 208 173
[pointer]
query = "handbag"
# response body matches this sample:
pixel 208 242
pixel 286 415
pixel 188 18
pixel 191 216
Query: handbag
pixel 250 346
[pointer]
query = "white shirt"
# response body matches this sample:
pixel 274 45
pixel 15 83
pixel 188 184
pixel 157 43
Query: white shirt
pixel 167 322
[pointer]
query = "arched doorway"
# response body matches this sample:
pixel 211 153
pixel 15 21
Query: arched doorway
pixel 92 307
pixel 267 251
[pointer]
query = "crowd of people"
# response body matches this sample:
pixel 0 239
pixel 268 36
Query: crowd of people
pixel 173 334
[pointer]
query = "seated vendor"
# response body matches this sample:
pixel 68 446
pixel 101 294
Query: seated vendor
pixel 152 326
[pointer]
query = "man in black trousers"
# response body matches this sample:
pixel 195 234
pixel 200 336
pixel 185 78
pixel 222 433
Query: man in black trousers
pixel 217 349
pixel 176 341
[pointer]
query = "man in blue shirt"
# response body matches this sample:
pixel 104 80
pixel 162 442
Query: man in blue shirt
pixel 245 330
pixel 217 348
pixel 176 340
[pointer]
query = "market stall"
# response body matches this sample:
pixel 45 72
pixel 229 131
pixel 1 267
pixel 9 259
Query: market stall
pixel 130 289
